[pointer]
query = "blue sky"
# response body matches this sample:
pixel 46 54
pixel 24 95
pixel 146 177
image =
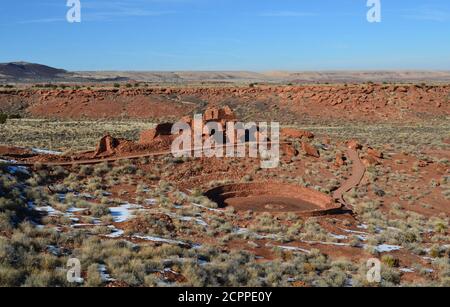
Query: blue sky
pixel 253 35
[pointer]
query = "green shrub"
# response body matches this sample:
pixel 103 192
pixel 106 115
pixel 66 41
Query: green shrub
pixel 390 261
pixel 3 118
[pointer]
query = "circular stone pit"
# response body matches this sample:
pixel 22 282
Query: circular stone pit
pixel 273 197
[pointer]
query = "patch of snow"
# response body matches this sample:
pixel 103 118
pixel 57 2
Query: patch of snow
pixel 204 207
pixel 80 225
pixel 78 280
pixel 326 243
pixel 198 221
pixel 338 237
pixel 46 152
pixel 290 248
pixel 75 210
pixel 354 231
pixel 123 213
pixel 241 231
pixel 385 248
pixel 117 233
pixel 151 202
pixel 13 170
pixel 202 262
pixel 407 270
pixel 349 282
pixel 104 273
pixel 162 240
pixel 50 211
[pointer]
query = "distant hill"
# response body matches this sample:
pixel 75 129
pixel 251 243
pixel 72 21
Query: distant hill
pixel 23 72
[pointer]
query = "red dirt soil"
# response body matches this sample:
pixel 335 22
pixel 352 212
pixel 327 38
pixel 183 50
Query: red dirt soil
pixel 362 102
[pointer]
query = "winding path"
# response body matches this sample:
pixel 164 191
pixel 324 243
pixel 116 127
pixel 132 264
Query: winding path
pixel 358 171
pixel 130 157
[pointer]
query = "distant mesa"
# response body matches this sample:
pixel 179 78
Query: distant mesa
pixel 23 72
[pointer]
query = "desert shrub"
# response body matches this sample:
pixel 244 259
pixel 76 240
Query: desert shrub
pixel 44 278
pixel 390 261
pixel 94 279
pixel 3 118
pixel 10 277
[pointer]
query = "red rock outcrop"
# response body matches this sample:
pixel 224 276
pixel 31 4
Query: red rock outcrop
pixel 148 136
pixel 310 150
pixel 295 133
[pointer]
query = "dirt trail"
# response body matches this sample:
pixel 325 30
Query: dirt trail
pixel 119 158
pixel 358 171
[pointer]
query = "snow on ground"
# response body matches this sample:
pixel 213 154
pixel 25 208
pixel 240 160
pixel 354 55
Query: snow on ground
pixel 385 248
pixel 104 273
pixel 76 210
pixel 123 213
pixel 198 221
pixel 50 211
pixel 290 248
pixel 407 270
pixel 151 202
pixel 15 169
pixel 325 243
pixel 116 233
pixel 338 237
pixel 158 239
pixel 204 207
pixel 188 219
pixel 45 152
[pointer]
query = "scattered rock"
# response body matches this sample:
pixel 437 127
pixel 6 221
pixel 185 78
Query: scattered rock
pixel 379 192
pixel 106 146
pixel 148 136
pixel 296 134
pixel 370 161
pixel 354 144
pixel 422 163
pixel 310 150
pixel 117 284
pixel 375 153
pixel 340 160
pixel 289 152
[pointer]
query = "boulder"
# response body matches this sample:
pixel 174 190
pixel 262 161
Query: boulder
pixel 310 150
pixel 353 144
pixel 149 136
pixel 106 146
pixel 295 133
pixel 340 161
pixel 370 161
